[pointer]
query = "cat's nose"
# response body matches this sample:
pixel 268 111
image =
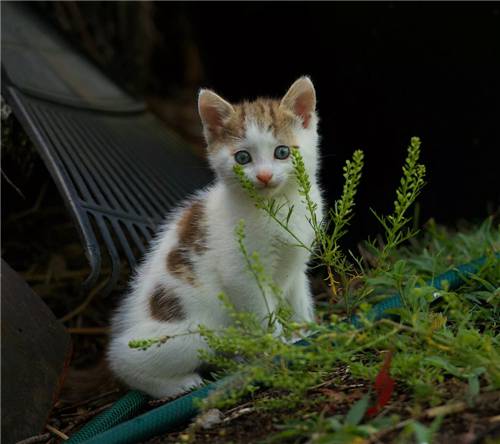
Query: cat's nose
pixel 265 177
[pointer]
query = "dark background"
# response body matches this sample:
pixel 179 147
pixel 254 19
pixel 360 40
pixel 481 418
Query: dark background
pixel 384 72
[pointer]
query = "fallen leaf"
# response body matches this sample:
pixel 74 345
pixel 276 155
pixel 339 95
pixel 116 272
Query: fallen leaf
pixel 384 386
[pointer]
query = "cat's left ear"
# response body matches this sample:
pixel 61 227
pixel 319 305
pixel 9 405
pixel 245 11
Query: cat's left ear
pixel 301 100
pixel 214 112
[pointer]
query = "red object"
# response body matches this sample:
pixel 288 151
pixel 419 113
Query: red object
pixel 384 386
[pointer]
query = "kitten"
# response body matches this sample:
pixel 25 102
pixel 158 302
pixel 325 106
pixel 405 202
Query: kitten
pixel 196 257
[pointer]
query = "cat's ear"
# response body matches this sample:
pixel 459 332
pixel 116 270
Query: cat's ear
pixel 214 112
pixel 301 100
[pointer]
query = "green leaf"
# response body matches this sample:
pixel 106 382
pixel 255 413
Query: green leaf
pixel 422 433
pixel 439 362
pixel 357 411
pixel 334 423
pixel 473 388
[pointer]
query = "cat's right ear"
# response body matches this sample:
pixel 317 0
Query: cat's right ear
pixel 301 100
pixel 214 113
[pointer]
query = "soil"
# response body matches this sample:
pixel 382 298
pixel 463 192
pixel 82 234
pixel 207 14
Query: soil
pixel 475 424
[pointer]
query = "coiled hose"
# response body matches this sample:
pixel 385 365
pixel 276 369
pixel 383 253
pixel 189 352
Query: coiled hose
pixel 109 428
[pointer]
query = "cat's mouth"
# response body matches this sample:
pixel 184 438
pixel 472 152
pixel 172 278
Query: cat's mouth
pixel 269 185
pixel 269 188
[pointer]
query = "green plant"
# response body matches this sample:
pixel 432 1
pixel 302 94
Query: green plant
pixel 267 287
pixel 423 334
pixel 410 186
pixel 325 249
pixel 338 429
pixel 450 341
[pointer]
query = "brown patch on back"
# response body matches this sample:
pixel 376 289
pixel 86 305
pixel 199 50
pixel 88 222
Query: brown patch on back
pixel 192 240
pixel 165 306
pixel 181 266
pixel 266 113
pixel 192 230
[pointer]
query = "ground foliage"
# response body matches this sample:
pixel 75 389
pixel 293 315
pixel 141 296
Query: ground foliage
pixel 442 354
pixel 444 357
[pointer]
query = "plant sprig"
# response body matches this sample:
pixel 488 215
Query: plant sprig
pixel 325 248
pixel 461 342
pixel 410 186
pixel 269 206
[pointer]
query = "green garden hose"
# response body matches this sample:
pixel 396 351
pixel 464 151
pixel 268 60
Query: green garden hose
pixel 123 409
pixel 453 279
pixel 109 428
pixel 147 425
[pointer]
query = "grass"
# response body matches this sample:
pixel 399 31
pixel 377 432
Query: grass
pixel 441 351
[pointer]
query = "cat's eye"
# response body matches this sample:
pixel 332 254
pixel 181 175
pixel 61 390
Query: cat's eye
pixel 282 152
pixel 242 157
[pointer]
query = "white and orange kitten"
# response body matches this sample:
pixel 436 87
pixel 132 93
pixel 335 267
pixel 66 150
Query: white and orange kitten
pixel 195 256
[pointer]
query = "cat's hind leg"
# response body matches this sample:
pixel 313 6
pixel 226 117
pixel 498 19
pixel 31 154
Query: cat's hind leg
pixel 162 370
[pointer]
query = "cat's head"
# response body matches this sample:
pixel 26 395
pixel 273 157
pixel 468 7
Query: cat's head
pixel 260 135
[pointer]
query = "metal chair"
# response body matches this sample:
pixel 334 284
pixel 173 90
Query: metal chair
pixel 118 169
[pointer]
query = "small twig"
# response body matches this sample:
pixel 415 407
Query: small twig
pixel 35 439
pixel 333 285
pixel 397 324
pixel 86 417
pixel 57 432
pixel 67 274
pixel 447 409
pixel 238 413
pixel 376 437
pixel 84 304
pixel 91 331
pixel 161 401
pixel 460 406
pixel 235 409
pixel 323 384
pixel 493 419
pixel 89 400
pixel 68 428
pixel 34 208
pixel 18 191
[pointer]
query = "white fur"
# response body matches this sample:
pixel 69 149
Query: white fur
pixel 170 369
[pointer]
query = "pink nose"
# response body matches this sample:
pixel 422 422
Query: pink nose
pixel 265 177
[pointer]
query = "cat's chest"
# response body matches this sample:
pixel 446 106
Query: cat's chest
pixel 277 242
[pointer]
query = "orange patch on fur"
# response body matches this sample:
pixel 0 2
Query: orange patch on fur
pixel 266 113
